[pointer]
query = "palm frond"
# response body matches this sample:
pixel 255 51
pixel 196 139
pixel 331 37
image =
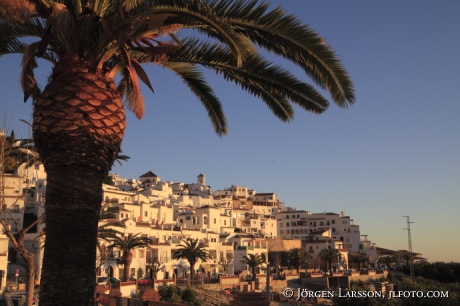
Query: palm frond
pixel 286 35
pixel 28 82
pixel 261 78
pixel 193 78
pixel 185 12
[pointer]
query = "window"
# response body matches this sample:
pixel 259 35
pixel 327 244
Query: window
pixel 287 224
pixel 145 214
pixel 225 222
pixel 281 224
pixel 281 232
pixel 321 223
pixel 141 253
pixel 215 221
pixel 333 221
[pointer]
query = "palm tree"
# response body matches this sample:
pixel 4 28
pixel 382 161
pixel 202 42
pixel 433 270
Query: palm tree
pixel 128 244
pixel 108 222
pixel 297 256
pixel 107 228
pixel 387 260
pixel 329 256
pixel 253 261
pixel 16 152
pixel 358 259
pixel 91 42
pixel 191 250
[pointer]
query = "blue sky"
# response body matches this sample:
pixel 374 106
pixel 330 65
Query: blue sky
pixel 395 152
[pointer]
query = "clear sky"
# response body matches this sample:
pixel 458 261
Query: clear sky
pixel 396 152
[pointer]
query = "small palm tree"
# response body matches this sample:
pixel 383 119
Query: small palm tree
pixel 297 256
pixel 16 152
pixel 253 261
pixel 387 260
pixel 329 256
pixel 107 226
pixel 108 222
pixel 358 259
pixel 127 244
pixel 191 250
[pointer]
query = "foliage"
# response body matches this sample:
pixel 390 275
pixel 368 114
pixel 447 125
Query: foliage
pixel 297 257
pixel 17 151
pixel 253 261
pixel 108 180
pixel 108 223
pixel 189 296
pixel 278 259
pixel 127 244
pixel 191 250
pixel 120 41
pixel 439 271
pixel 173 294
pixel 358 260
pixel 328 256
pixel 16 10
pixel 387 260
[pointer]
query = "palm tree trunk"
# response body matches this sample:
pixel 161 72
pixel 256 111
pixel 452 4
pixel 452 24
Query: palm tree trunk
pixel 127 260
pixel 78 126
pixel 192 272
pixel 73 199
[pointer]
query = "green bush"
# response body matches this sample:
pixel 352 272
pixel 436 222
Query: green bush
pixel 173 294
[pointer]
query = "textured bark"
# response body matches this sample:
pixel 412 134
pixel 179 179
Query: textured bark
pixel 127 259
pixel 30 277
pixel 78 126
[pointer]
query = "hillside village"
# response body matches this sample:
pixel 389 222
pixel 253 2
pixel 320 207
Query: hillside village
pixel 232 223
